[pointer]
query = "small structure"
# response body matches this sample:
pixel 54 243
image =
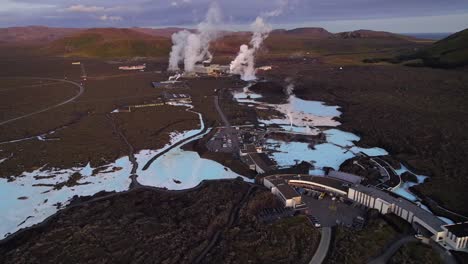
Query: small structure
pixel 264 68
pixel 159 85
pixel 249 162
pixel 133 68
pixel 249 149
pixel 170 85
pixel 76 63
pixel 177 98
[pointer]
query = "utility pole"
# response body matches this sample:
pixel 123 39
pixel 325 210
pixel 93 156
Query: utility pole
pixel 83 71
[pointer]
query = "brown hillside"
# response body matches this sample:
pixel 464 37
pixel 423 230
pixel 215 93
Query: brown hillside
pixel 110 42
pixel 34 34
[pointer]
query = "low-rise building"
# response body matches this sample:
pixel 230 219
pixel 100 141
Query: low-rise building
pixel 211 69
pixel 348 177
pixel 288 195
pixel 457 235
pixel 133 68
pixel 454 236
pixel 177 98
pixel 386 202
pixel 249 149
pixel 262 162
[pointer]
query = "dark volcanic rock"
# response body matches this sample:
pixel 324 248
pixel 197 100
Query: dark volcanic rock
pixel 272 92
pixel 150 226
pixel 408 176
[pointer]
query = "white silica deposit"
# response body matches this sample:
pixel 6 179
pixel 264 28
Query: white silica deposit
pixel 32 197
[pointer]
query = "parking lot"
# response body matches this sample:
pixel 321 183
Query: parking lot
pixel 330 212
pixel 222 141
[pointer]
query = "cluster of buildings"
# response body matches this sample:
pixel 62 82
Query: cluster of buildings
pixel 347 186
pixel 211 69
pixel 168 98
pixel 254 157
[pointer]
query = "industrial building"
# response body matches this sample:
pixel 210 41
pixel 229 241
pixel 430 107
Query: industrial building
pixel 457 235
pixel 255 159
pixel 170 85
pixel 133 68
pixel 454 236
pixel 177 98
pixel 211 69
pixel 288 195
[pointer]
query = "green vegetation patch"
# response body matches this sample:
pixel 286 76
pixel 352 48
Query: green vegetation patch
pixel 415 252
pixel 352 246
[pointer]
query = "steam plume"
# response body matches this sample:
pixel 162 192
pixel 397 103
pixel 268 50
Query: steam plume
pixel 191 48
pixel 289 87
pixel 244 63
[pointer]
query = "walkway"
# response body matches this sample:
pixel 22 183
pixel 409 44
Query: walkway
pixel 392 249
pixel 322 250
pixel 131 152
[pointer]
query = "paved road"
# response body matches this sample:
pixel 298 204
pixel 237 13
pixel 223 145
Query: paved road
pixel 323 247
pixel 392 249
pixel 232 133
pixel 444 254
pixel 80 92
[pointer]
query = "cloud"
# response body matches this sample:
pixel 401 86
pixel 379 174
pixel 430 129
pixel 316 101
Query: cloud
pixel 85 9
pixel 110 18
pixel 239 13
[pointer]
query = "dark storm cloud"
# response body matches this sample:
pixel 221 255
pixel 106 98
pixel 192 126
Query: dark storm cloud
pixel 68 13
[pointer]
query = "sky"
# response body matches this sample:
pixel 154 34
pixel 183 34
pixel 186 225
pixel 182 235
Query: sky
pixel 401 16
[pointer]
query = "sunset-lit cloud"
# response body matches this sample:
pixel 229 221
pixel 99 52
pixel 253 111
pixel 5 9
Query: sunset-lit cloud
pixel 336 15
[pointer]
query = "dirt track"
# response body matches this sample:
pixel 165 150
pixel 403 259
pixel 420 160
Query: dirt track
pixel 80 92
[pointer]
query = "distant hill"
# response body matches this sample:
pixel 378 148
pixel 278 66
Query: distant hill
pixel 160 32
pixel 149 42
pixel 111 43
pixel 34 34
pixel 364 33
pixel 306 32
pixel 450 52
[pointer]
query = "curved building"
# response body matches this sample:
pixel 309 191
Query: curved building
pixel 283 186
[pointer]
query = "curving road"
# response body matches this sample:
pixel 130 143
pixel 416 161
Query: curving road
pixel 391 249
pixel 322 250
pixel 80 92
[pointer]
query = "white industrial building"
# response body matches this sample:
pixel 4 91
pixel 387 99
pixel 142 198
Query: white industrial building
pixel 454 236
pixel 457 235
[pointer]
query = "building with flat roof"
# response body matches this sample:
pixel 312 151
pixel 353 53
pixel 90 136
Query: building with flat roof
pixel 177 98
pixel 248 149
pixel 262 162
pixel 344 176
pixel 288 195
pixel 319 183
pixel 457 235
pixel 211 69
pixel 386 202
